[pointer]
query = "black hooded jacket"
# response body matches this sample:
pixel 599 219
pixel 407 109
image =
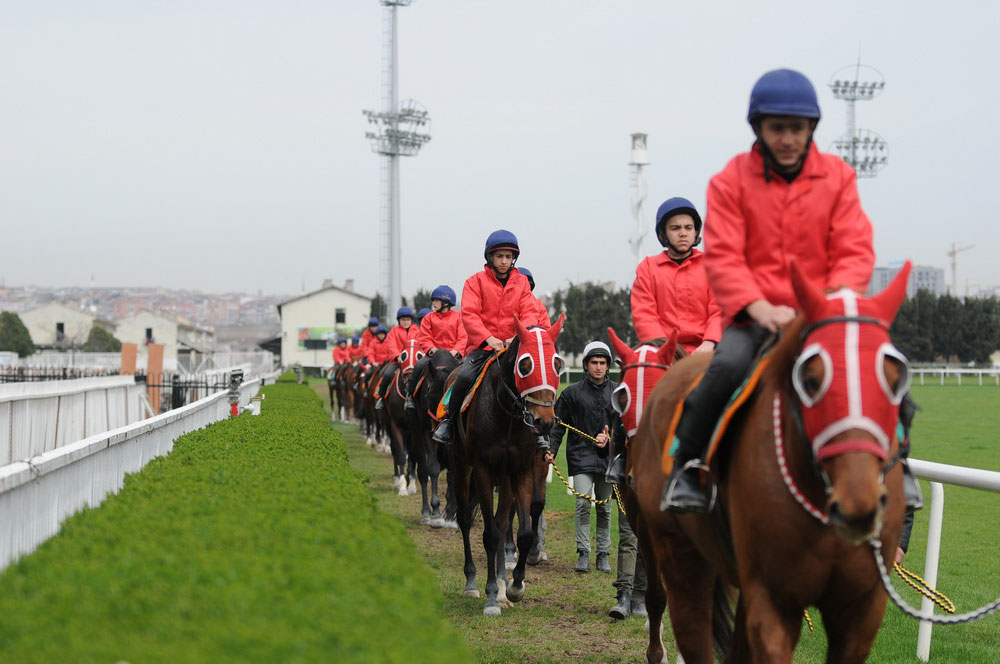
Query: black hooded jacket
pixel 587 407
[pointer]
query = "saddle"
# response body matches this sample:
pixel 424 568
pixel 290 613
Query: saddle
pixel 735 404
pixel 442 408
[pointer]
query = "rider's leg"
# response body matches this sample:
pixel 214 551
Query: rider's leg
pixel 682 491
pixel 467 374
pixel 383 386
pixel 413 379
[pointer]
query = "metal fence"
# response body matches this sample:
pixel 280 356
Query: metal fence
pixel 10 374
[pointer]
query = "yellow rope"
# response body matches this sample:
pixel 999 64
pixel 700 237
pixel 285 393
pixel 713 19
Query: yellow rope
pixel 922 587
pixel 577 493
pixel 809 621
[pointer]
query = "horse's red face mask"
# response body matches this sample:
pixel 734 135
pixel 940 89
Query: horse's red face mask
pixel 850 380
pixel 642 368
pixel 536 372
pixel 410 356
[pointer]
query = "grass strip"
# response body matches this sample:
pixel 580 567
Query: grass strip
pixel 252 541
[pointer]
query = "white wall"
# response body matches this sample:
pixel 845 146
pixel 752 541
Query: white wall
pixel 41 324
pixel 133 330
pixel 318 310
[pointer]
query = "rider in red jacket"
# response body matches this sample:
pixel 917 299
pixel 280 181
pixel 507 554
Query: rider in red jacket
pixel 340 353
pixel 671 288
pixel 396 341
pixel 379 350
pixel 440 331
pixel 783 201
pixel 490 301
pixel 540 308
pixel 367 336
pixel 355 350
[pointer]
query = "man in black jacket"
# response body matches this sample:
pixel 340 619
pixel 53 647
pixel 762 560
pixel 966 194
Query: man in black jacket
pixel 586 405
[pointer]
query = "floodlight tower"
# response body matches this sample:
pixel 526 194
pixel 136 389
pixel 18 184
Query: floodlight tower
pixel 864 150
pixel 400 131
pixel 639 159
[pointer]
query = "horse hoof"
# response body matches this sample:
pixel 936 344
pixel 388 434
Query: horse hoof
pixel 470 592
pixel 515 594
pixel 450 523
pixel 412 488
pixel 402 489
pixel 436 523
pixel 491 611
pixel 425 521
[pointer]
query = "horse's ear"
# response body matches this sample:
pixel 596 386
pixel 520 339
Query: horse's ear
pixel 621 348
pixel 667 350
pixel 887 302
pixel 557 327
pixel 810 299
pixel 522 331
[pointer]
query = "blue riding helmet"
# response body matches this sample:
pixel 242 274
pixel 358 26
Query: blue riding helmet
pixel 355 341
pixel 783 92
pixel 501 240
pixel 373 321
pixel 423 312
pixel 445 294
pixel 341 340
pixel 673 206
pixel 404 311
pixel 381 328
pixel 527 273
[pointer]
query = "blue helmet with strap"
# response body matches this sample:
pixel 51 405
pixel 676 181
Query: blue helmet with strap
pixel 674 206
pixel 501 239
pixel 382 329
pixel 445 294
pixel 355 340
pixel 423 312
pixel 527 273
pixel 403 312
pixel 373 321
pixel 783 92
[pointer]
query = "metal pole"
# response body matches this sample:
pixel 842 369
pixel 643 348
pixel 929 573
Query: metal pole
pixel 931 568
pixel 395 281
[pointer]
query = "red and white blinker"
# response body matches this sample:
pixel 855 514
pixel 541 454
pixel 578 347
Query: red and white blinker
pixel 410 356
pixel 851 339
pixel 649 364
pixel 538 365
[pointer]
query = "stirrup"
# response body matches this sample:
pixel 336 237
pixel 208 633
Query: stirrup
pixel 616 470
pixel 443 433
pixel 410 404
pixel 697 502
pixel 379 405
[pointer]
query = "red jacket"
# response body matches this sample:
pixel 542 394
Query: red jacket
pixel 380 351
pixel 543 313
pixel 489 308
pixel 366 340
pixel 356 352
pixel 666 295
pixel 341 355
pixel 443 330
pixel 754 229
pixel 398 337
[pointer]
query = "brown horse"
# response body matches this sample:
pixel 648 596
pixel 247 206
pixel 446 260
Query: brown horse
pixel 500 444
pixel 807 437
pixel 401 440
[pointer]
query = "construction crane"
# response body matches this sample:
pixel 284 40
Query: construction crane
pixel 953 252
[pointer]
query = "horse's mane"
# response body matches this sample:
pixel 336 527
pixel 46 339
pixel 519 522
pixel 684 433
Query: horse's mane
pixel 658 342
pixel 785 353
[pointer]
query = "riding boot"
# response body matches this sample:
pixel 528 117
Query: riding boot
pixel 379 405
pixel 638 606
pixel 682 490
pixel 444 432
pixel 410 404
pixel 602 564
pixel 623 609
pixel 583 563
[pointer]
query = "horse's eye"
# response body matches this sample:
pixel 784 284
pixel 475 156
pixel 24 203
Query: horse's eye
pixel 811 385
pixel 812 374
pixel 525 366
pixel 558 364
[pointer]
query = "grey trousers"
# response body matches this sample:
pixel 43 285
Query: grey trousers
pixel 631 571
pixel 583 483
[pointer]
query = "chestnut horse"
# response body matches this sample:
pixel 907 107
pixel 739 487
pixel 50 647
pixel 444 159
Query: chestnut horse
pixel 499 443
pixel 818 430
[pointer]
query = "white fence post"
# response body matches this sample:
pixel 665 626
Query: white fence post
pixel 931 568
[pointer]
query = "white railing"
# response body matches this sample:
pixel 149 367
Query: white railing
pixel 39 493
pixel 71 359
pixel 39 417
pixel 992 375
pixel 939 474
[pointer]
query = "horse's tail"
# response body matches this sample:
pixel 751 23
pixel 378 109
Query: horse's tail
pixel 724 598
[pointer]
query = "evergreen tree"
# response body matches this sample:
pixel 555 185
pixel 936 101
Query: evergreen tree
pixel 590 309
pixel 378 307
pixel 14 335
pixel 947 333
pixel 101 341
pixel 422 300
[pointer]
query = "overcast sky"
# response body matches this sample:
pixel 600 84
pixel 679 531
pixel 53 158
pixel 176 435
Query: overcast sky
pixel 219 145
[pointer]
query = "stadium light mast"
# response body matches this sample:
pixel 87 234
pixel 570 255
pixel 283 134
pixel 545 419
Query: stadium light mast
pixel 639 158
pixel 399 131
pixel 863 149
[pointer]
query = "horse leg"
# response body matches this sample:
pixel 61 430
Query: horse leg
pixel 464 517
pixel 398 456
pixel 656 598
pixel 433 471
pixel 451 505
pixel 491 537
pixel 509 559
pixel 771 633
pixel 528 512
pixel 851 627
pixel 688 581
pixel 503 516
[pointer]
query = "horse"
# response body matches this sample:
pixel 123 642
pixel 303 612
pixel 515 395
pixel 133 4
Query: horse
pixel 398 425
pixel 817 429
pixel 371 422
pixel 431 458
pixel 499 443
pixel 339 383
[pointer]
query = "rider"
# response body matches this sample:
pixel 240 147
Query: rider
pixel 543 311
pixel 420 315
pixel 586 405
pixel 491 299
pixel 397 340
pixel 442 329
pixel 340 353
pixel 379 350
pixel 355 349
pixel 783 201
pixel 671 288
pixel 366 337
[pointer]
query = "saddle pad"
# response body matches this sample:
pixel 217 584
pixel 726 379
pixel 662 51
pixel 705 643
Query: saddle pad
pixel 736 402
pixel 442 408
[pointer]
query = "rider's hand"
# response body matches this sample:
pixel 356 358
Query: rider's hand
pixel 899 555
pixel 705 347
pixel 603 437
pixel 494 343
pixel 455 354
pixel 769 316
pixel 431 351
pixel 550 458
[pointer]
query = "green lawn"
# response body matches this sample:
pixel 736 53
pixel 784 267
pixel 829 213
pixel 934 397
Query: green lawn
pixel 563 617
